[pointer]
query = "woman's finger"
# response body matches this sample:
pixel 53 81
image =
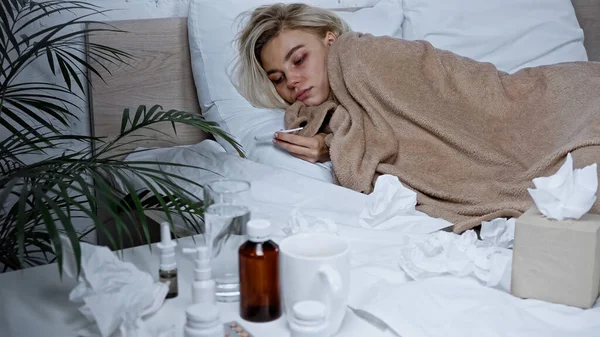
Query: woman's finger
pixel 296 149
pixel 296 139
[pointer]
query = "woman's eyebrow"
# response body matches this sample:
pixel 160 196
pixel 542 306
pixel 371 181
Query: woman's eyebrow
pixel 289 54
pixel 286 58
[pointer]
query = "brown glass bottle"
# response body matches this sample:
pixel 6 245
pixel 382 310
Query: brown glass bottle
pixel 259 274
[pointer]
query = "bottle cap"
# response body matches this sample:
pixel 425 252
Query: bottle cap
pixel 202 313
pixel 167 248
pixel 202 268
pixel 309 311
pixel 258 230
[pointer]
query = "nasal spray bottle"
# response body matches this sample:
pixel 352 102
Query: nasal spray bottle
pixel 203 288
pixel 168 264
pixel 202 316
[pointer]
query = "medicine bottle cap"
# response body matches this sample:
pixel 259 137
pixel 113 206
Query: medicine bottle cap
pixel 202 313
pixel 167 248
pixel 259 230
pixel 309 312
pixel 202 267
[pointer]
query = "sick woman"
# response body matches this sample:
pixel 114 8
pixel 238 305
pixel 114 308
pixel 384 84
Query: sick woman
pixel 466 137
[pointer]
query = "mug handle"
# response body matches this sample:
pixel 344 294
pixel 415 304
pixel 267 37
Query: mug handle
pixel 333 279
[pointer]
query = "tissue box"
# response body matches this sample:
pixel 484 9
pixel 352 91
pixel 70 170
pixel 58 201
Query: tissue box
pixel 557 261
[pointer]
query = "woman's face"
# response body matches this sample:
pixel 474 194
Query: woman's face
pixel 296 63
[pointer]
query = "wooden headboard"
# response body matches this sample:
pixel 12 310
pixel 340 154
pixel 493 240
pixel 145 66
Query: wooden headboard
pixel 160 74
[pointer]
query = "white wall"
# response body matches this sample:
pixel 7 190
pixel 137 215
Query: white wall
pixel 138 9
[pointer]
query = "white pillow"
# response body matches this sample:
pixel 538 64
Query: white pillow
pixel 511 34
pixel 212 28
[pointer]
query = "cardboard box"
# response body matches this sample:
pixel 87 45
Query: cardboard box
pixel 557 261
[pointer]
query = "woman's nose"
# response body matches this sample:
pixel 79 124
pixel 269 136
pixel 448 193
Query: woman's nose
pixel 293 80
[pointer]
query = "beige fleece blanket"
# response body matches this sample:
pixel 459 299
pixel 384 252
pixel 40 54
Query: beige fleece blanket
pixel 465 137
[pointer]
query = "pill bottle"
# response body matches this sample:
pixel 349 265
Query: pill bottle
pixel 259 274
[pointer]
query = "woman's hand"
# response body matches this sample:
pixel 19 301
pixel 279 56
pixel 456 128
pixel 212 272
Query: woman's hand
pixel 312 149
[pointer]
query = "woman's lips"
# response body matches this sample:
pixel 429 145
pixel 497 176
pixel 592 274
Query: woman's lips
pixel 303 95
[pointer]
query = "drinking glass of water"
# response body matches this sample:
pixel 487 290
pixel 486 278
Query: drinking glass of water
pixel 227 191
pixel 226 213
pixel 225 233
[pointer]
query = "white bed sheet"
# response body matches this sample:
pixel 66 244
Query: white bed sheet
pixel 277 192
pixel 449 306
pixel 380 292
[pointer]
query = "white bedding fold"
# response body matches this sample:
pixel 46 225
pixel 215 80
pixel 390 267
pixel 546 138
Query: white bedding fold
pixel 448 306
pixel 277 192
pixel 440 301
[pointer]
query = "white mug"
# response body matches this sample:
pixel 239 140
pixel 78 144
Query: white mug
pixel 315 266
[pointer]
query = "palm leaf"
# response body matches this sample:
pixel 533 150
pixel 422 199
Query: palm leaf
pixel 40 11
pixel 63 69
pixel 144 119
pixel 7 24
pixel 9 113
pixel 55 176
pixel 52 231
pixel 7 8
pixel 135 207
pixel 69 229
pixel 24 124
pixel 40 47
pixel 11 148
pixel 21 204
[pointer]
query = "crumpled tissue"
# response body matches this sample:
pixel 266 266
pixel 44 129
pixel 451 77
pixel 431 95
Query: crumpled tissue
pixel 391 205
pixel 499 232
pixel 301 222
pixel 445 253
pixel 388 199
pixel 115 295
pixel 568 194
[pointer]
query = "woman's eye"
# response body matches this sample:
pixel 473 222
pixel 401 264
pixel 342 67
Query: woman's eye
pixel 278 80
pixel 299 61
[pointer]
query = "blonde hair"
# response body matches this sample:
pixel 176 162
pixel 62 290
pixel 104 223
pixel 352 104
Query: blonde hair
pixel 264 24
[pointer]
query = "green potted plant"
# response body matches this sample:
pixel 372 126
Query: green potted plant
pixel 50 177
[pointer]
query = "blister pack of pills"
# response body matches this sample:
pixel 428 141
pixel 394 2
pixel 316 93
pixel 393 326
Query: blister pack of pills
pixel 234 329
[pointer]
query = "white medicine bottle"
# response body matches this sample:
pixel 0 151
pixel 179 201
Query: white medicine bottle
pixel 309 320
pixel 203 288
pixel 202 320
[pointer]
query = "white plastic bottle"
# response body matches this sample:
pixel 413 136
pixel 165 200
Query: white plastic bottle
pixel 308 320
pixel 168 264
pixel 203 288
pixel 202 320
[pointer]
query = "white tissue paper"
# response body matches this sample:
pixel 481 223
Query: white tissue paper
pixel 444 253
pixel 391 205
pixel 568 194
pixel 499 232
pixel 114 295
pixel 388 199
pixel 300 222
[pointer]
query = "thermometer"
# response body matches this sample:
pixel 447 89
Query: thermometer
pixel 270 135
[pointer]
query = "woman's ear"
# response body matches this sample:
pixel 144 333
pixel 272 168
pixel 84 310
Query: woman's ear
pixel 330 38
